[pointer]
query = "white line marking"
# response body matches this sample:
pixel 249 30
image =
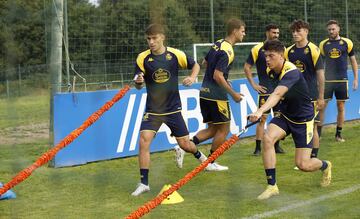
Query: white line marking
pixel 303 203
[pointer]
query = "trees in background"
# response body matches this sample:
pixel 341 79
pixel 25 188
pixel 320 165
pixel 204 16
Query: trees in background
pixel 113 31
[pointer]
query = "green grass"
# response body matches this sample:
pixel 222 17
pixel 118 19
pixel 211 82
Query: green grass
pixel 102 189
pixel 24 110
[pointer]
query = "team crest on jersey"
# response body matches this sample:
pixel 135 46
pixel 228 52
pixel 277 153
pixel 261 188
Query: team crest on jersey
pixel 306 51
pixel 161 75
pixel 334 53
pixel 215 47
pixel 168 56
pixel 328 43
pixel 150 60
pixel 292 51
pixel 341 42
pixel 300 65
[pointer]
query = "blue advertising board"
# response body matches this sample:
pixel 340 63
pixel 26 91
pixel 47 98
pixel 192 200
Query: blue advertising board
pixel 116 133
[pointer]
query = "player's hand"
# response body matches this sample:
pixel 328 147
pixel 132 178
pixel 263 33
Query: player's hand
pixel 139 79
pixel 253 117
pixel 355 85
pixel 260 89
pixel 237 97
pixel 188 81
pixel 320 104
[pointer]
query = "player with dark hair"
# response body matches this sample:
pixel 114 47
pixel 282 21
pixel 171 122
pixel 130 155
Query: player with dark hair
pixel 265 87
pixel 335 51
pixel 158 67
pixel 306 57
pixel 214 101
pixel 296 116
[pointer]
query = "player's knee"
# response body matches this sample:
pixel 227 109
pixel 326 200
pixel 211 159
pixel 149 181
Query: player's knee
pixel 143 141
pixel 303 165
pixel 222 131
pixel 187 145
pixel 341 109
pixel 269 141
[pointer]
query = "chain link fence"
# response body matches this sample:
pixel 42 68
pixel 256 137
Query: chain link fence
pixel 105 37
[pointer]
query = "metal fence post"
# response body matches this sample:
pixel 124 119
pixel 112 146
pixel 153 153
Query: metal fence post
pixel 212 20
pixel 347 18
pixel 305 11
pixel 7 89
pixel 19 73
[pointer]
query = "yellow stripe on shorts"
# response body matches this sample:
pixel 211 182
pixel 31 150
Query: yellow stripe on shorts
pixel 309 131
pixel 223 107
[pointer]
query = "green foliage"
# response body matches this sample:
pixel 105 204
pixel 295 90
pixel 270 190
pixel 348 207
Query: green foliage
pixel 109 36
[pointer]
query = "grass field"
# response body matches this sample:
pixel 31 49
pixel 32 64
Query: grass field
pixel 102 189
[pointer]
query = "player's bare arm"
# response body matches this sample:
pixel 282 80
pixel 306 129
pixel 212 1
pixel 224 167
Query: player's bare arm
pixel 320 75
pixel 354 66
pixel 273 99
pixel 189 80
pixel 248 74
pixel 219 78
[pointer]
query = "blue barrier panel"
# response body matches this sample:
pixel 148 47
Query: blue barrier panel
pixel 116 133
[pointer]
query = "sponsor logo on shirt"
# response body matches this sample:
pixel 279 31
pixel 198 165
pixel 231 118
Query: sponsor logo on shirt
pixel 205 89
pixel 300 65
pixel 161 75
pixel 334 53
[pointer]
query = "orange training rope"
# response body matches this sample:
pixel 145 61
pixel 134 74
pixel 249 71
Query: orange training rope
pixel 158 199
pixel 47 156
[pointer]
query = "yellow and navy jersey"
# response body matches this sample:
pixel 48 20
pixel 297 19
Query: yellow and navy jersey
pixel 257 57
pixel 219 57
pixel 296 104
pixel 335 53
pixel 161 79
pixel 308 60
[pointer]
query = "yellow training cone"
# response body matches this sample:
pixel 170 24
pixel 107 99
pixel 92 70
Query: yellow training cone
pixel 174 198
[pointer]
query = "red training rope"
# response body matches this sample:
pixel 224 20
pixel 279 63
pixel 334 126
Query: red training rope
pixel 158 199
pixel 47 156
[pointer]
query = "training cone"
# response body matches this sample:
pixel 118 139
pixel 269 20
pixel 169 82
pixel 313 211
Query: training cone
pixel 7 195
pixel 174 198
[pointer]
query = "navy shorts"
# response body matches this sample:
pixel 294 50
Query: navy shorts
pixel 174 121
pixel 339 88
pixel 215 111
pixel 302 132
